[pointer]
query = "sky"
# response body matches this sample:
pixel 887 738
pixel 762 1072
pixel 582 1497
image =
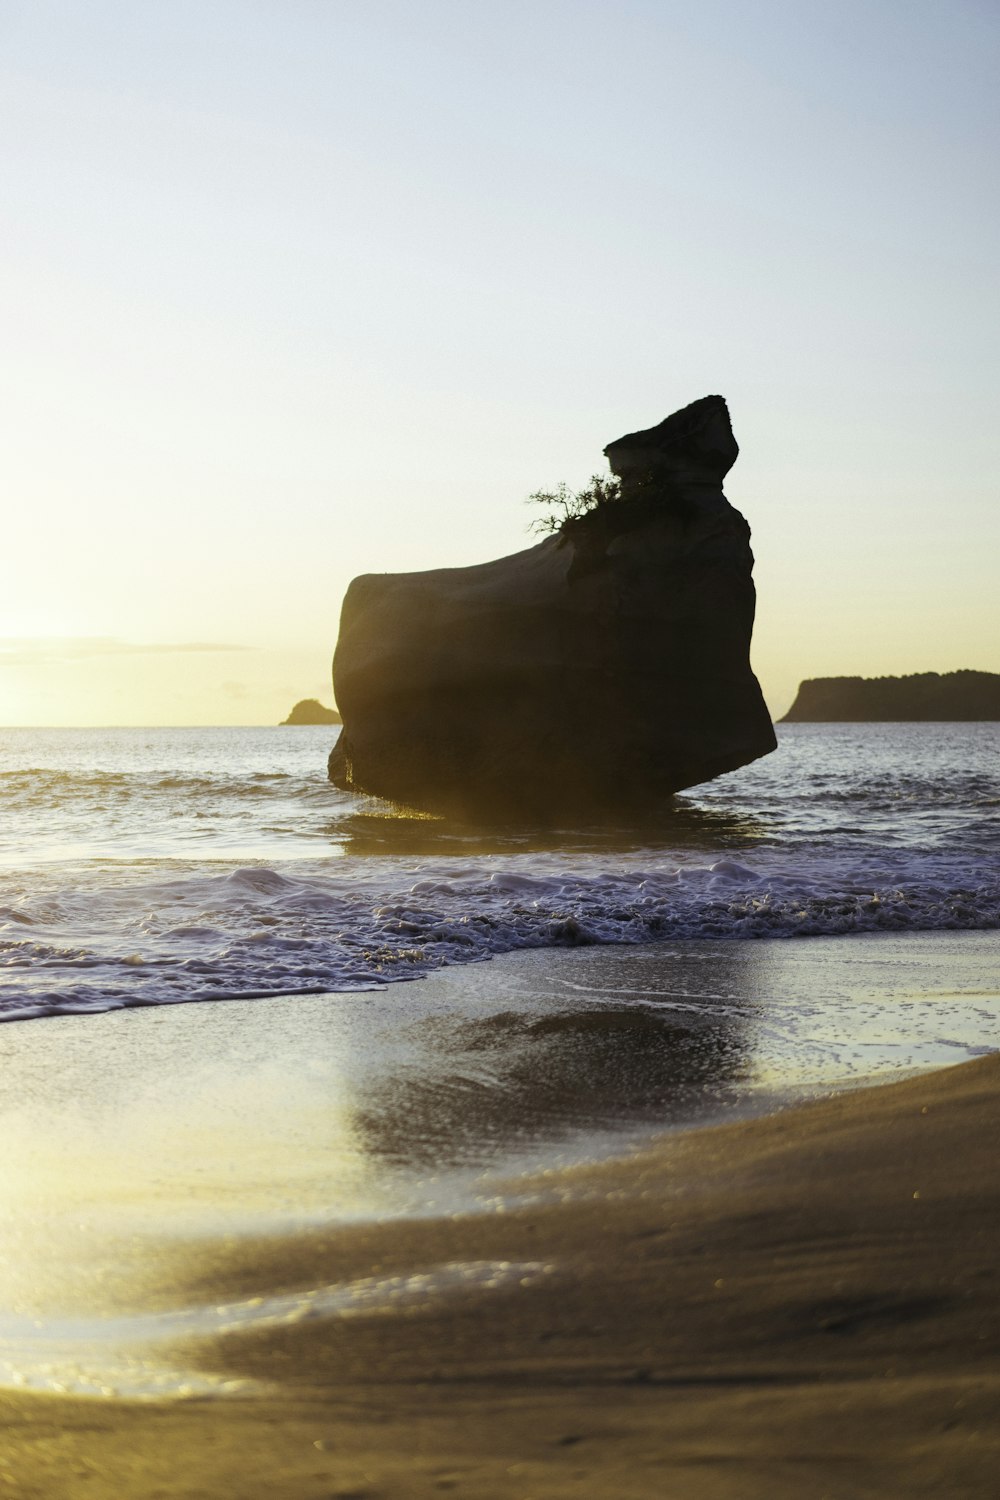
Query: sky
pixel 299 289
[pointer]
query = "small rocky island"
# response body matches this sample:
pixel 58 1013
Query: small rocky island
pixel 593 674
pixel 942 697
pixel 311 711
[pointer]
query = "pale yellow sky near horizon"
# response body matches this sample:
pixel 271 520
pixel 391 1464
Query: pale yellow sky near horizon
pixel 293 293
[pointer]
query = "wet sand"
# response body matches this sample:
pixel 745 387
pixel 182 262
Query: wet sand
pixel 803 1304
pixel 800 1304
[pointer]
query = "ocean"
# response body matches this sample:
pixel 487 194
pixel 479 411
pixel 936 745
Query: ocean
pixel 157 866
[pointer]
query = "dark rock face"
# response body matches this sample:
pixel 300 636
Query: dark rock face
pixel 932 697
pixel 589 676
pixel 693 446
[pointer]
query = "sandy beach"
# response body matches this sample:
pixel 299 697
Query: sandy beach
pixel 799 1303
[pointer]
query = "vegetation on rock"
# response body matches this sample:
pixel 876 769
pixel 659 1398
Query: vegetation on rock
pixel 566 505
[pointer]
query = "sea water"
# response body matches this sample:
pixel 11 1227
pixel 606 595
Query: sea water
pixel 156 866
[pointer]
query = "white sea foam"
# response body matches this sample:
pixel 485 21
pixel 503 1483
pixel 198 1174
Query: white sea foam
pixel 258 931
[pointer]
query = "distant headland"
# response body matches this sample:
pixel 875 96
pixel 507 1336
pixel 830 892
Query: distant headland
pixel 311 711
pixel 930 696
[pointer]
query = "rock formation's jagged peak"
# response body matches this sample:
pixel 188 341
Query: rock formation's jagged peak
pixel 596 673
pixel 693 446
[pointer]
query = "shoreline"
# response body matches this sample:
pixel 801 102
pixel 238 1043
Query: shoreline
pixel 806 1302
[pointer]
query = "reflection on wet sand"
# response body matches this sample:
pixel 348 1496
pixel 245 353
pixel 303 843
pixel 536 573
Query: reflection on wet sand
pixel 515 1081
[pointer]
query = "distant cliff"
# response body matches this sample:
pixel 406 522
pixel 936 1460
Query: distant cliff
pixel 940 696
pixel 311 711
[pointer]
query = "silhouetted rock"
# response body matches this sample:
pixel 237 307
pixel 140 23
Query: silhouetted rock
pixel 933 696
pixel 693 446
pixel 597 672
pixel 311 711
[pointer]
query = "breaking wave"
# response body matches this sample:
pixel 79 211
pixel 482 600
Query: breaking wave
pixel 257 930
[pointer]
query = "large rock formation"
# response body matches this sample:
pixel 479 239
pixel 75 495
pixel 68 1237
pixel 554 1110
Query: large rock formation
pixel 593 674
pixel 949 697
